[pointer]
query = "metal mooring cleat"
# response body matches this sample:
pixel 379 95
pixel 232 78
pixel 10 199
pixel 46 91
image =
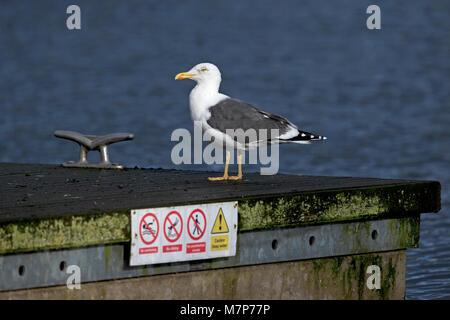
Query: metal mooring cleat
pixel 88 143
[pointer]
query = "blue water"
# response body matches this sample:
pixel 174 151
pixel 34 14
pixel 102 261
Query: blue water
pixel 381 96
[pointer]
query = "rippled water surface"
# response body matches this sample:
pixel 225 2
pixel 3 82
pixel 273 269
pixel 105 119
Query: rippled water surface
pixel 382 97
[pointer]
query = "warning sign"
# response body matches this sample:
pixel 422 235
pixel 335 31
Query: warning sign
pixel 149 228
pixel 197 224
pixel 220 243
pixel 220 225
pixel 173 229
pixel 173 226
pixel 190 232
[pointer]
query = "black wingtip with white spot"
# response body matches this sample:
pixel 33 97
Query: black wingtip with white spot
pixel 304 136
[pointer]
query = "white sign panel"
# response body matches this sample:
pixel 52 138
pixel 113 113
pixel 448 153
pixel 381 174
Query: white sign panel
pixel 183 233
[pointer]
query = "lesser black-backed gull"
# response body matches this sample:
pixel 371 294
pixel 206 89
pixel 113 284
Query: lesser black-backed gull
pixel 218 113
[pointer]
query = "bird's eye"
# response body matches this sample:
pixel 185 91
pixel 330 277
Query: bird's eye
pixel 203 69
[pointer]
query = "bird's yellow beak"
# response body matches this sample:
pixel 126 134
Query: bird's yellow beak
pixel 183 75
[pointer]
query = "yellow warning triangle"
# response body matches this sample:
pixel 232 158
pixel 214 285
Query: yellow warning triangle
pixel 220 225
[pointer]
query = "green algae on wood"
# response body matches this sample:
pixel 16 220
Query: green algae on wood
pixel 64 232
pixel 331 206
pixel 254 213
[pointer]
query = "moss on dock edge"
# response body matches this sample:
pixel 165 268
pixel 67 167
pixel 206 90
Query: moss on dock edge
pixel 335 206
pixel 64 232
pixel 261 213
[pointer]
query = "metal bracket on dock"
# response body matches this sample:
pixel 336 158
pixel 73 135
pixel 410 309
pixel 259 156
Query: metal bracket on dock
pixel 88 143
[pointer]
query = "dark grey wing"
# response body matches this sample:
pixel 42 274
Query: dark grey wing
pixel 236 114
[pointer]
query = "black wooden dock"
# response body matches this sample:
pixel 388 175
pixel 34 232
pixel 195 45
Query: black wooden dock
pixel 331 228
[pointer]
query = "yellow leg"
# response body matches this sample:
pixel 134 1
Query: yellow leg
pixel 239 176
pixel 225 173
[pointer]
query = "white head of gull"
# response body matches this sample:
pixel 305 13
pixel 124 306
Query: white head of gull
pixel 206 93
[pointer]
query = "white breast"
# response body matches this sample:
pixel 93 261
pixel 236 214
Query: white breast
pixel 201 99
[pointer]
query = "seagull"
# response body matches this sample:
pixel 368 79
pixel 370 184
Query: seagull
pixel 219 113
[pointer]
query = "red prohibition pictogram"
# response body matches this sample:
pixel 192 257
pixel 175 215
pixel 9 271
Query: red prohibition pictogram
pixel 149 228
pixel 173 226
pixel 196 222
